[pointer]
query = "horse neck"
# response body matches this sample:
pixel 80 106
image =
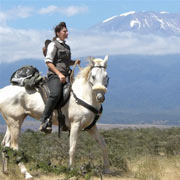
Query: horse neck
pixel 83 91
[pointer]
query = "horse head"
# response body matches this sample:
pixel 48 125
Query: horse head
pixel 98 77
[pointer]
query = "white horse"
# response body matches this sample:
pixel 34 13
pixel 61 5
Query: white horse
pixel 89 87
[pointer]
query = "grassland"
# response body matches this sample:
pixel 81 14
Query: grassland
pixel 135 154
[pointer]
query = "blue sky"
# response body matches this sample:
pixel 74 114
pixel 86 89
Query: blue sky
pixel 25 24
pixel 80 14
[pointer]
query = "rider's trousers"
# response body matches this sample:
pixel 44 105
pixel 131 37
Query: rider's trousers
pixel 55 87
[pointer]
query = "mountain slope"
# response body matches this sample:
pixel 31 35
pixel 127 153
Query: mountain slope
pixel 162 23
pixel 142 89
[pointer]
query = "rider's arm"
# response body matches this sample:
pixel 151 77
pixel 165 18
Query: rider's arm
pixel 53 68
pixel 51 52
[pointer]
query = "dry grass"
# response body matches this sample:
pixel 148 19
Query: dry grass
pixel 156 168
pixel 135 154
pixel 142 168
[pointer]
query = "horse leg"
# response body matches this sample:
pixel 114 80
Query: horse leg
pixel 95 133
pixel 15 131
pixel 5 143
pixel 73 141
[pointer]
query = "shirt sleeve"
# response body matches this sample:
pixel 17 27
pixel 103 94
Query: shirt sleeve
pixel 51 52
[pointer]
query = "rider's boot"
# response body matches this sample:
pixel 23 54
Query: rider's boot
pixel 46 125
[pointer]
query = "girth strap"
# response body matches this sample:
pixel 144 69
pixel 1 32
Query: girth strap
pixel 91 108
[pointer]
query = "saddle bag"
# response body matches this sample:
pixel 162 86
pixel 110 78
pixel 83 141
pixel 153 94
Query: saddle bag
pixel 27 76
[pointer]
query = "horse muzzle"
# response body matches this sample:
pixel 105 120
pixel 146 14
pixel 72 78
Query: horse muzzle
pixel 100 92
pixel 100 97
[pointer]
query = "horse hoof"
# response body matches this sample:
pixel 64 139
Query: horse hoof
pixel 29 177
pixel 5 172
pixel 107 171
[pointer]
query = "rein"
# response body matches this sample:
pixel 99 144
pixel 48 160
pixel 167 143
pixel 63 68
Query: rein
pixel 83 103
pixel 73 69
pixel 91 108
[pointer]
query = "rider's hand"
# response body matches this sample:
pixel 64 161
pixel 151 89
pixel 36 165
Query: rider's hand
pixel 62 78
pixel 78 61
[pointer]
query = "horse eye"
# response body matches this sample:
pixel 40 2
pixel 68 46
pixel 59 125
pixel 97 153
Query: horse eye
pixel 107 81
pixel 93 77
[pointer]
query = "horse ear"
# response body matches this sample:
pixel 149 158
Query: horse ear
pixel 90 58
pixel 105 60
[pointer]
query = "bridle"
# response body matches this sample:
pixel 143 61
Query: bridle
pixel 86 105
pixel 98 67
pixel 104 67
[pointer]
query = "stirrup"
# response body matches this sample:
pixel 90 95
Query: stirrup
pixel 46 127
pixel 46 130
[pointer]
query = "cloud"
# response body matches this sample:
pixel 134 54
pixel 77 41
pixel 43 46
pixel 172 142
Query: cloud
pixel 25 12
pixel 48 10
pixel 21 12
pixel 15 13
pixel 67 11
pixel 3 18
pixel 73 10
pixel 97 44
pixel 19 44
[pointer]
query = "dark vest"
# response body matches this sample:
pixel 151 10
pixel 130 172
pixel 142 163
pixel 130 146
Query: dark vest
pixel 62 58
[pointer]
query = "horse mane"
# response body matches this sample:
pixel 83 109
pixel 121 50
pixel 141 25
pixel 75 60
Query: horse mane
pixel 84 72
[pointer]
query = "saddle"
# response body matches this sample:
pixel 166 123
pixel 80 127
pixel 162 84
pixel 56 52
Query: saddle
pixel 44 91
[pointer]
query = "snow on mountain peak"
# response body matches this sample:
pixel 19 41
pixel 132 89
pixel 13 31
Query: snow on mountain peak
pixel 134 22
pixel 160 23
pixel 128 13
pixel 163 12
pixel 109 19
pixel 124 14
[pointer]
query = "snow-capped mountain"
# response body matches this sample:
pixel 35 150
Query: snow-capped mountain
pixel 162 23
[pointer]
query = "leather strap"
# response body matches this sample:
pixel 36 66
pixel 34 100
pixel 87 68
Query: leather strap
pixel 91 108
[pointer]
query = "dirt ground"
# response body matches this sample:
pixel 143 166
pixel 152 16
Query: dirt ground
pixel 145 168
pixel 169 175
pixel 61 177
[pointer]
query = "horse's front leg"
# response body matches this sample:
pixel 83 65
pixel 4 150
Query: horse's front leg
pixel 95 133
pixel 73 141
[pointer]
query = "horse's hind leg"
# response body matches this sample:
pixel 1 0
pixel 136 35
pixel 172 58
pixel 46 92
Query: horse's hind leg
pixel 5 143
pixel 11 140
pixel 15 131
